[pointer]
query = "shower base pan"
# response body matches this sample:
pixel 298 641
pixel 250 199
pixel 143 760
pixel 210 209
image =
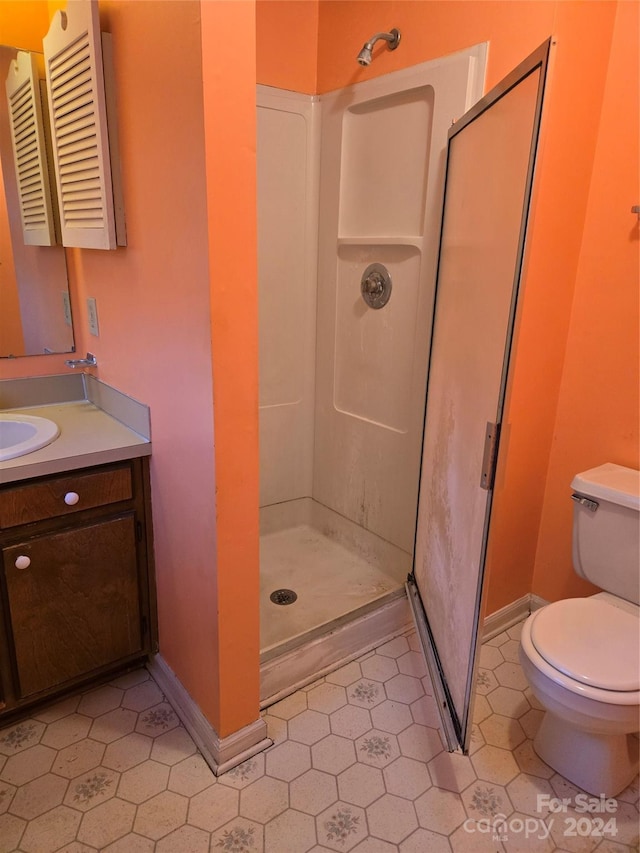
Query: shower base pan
pixel 349 585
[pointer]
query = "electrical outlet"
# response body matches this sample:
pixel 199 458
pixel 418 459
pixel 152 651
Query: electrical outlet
pixel 66 307
pixel 92 312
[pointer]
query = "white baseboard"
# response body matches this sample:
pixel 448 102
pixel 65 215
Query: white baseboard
pixel 509 615
pixel 292 670
pixel 221 754
pixel 289 672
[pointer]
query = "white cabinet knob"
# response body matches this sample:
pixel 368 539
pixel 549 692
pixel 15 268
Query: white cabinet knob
pixel 71 498
pixel 23 562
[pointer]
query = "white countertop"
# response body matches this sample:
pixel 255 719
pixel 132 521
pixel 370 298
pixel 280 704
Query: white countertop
pixel 88 436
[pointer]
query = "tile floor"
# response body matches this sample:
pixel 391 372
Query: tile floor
pixel 357 765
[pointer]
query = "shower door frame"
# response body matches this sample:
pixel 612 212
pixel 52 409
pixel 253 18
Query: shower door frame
pixel 456 722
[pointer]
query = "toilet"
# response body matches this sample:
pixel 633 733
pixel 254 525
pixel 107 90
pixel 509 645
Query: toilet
pixel 581 656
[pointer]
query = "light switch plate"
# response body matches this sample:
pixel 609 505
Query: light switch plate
pixel 92 312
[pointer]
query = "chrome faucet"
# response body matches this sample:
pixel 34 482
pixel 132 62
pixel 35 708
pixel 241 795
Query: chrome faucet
pixel 89 361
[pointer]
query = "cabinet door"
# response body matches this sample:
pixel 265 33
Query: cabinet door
pixel 74 605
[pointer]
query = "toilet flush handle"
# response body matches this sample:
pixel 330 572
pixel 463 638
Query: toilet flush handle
pixel 592 506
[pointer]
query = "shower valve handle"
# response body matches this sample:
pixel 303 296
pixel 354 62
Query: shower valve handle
pixel 373 284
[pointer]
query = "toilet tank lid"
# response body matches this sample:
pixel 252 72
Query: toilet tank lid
pixel 609 482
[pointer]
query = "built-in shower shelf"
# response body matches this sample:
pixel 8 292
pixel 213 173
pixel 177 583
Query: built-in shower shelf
pixel 416 242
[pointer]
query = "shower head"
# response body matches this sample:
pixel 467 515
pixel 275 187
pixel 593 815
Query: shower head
pixel 392 38
pixel 364 57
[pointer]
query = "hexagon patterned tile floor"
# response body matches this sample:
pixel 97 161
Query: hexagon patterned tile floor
pixel 357 765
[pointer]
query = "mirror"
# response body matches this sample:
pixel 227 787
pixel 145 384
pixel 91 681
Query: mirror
pixel 35 313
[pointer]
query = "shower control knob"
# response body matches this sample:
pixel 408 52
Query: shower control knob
pixel 71 498
pixel 22 562
pixel 375 285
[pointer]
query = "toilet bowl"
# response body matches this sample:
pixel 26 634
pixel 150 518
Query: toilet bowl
pixel 581 656
pixel 581 659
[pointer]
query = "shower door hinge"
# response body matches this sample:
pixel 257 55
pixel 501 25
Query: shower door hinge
pixel 490 455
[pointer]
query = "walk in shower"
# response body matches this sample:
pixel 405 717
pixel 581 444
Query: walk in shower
pixel 349 202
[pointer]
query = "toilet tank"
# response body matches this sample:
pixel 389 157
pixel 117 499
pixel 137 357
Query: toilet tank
pixel 606 529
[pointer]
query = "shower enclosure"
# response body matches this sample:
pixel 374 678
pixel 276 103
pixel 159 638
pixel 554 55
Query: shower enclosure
pixel 343 370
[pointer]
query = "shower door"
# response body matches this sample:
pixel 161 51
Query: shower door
pixel 490 163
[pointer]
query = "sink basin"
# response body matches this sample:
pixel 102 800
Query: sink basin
pixel 22 434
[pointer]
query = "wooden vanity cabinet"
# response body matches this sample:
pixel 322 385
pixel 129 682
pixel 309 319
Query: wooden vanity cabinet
pixel 76 588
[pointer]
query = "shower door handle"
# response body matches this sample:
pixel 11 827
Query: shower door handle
pixel 490 455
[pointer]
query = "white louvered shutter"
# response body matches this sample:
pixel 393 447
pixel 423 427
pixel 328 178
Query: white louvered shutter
pixel 29 151
pixel 75 82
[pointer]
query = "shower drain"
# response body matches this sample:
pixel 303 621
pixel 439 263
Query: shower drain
pixel 283 596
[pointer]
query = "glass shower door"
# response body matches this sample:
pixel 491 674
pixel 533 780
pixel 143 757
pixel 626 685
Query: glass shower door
pixel 490 164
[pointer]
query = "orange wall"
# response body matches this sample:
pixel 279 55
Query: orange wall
pixel 160 302
pixel 22 24
pixel 230 151
pixel 599 407
pixel 429 28
pixel 153 309
pixel 571 121
pixel 171 297
pixel 287 44
pixel 582 32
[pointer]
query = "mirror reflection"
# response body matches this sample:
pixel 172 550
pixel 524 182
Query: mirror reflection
pixel 35 314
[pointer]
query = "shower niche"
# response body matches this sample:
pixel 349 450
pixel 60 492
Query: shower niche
pixel 385 164
pixel 342 384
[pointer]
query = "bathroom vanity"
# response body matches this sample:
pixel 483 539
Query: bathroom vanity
pixel 77 597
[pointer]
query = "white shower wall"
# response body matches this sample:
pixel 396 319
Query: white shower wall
pixel 288 162
pixel 343 385
pixel 382 166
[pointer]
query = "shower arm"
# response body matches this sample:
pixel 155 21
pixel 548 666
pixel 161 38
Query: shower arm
pixel 393 38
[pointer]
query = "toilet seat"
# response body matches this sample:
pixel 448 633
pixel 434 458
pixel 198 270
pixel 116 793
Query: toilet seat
pixel 610 658
pixel 597 694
